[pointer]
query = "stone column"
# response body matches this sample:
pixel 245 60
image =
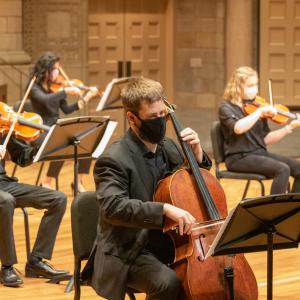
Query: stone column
pixel 239 34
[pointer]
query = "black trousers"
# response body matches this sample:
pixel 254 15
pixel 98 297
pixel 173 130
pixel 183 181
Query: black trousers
pixel 275 166
pixel 14 194
pixel 148 275
pixel 55 167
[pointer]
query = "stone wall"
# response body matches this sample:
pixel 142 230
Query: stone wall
pixel 10 25
pixel 13 59
pixel 32 27
pixel 59 26
pixel 199 57
pixel 29 27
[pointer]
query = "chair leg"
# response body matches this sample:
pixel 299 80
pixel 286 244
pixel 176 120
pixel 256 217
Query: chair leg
pixel 40 173
pixel 76 277
pixel 246 189
pixel 56 183
pixel 14 170
pixel 27 233
pixel 131 296
pixel 262 186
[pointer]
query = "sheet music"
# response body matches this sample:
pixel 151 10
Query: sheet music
pixel 111 126
pixel 41 149
pixel 112 92
pixel 212 247
pixel 58 143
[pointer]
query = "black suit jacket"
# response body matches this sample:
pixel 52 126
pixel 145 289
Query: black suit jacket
pixel 127 212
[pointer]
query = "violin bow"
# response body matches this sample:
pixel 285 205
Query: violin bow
pixel 13 125
pixel 63 73
pixel 270 92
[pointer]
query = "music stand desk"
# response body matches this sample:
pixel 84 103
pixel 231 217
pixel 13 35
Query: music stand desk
pixel 73 138
pixel 260 224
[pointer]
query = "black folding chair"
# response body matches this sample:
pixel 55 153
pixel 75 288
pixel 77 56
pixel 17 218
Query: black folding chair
pixel 217 140
pixel 84 221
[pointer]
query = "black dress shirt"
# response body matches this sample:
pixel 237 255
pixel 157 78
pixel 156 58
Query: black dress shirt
pixel 236 145
pixel 48 104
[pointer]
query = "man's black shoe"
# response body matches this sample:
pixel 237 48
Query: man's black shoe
pixel 42 269
pixel 9 277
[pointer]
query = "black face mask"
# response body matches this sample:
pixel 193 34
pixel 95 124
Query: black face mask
pixel 153 130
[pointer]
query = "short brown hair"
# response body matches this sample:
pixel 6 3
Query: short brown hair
pixel 138 90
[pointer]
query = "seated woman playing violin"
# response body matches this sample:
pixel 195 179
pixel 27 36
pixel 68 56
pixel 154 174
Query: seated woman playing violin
pixel 47 104
pixel 247 136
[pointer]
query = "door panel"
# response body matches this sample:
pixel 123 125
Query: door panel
pixel 128 31
pixel 280 50
pixel 105 40
pixel 145 37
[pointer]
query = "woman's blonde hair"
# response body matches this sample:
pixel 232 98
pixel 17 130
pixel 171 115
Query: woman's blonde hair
pixel 233 90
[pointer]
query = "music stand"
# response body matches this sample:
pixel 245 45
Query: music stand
pixel 73 138
pixel 112 94
pixel 260 224
pixel 111 97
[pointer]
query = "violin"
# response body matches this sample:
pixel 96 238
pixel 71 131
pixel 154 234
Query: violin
pixel 28 127
pixel 200 193
pixel 61 83
pixel 283 114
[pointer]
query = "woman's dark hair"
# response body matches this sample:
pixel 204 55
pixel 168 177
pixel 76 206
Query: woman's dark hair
pixel 44 63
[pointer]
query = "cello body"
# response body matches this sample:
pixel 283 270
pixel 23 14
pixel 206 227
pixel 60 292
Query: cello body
pixel 203 278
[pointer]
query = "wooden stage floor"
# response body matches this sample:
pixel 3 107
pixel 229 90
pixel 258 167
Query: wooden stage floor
pixel 286 262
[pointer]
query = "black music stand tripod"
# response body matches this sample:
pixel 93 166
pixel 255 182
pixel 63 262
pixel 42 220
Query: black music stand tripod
pixel 261 224
pixel 72 138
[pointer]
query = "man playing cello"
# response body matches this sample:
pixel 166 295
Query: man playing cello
pixel 130 247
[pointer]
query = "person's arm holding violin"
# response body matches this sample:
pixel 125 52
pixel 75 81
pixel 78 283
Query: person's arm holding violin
pixel 93 91
pixel 276 135
pixel 40 96
pixel 246 123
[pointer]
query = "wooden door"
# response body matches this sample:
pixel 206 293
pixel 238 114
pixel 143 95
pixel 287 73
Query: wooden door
pixel 280 50
pixel 145 38
pixel 105 40
pixel 126 38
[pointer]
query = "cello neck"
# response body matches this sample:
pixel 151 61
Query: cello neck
pixel 212 210
pixel 24 121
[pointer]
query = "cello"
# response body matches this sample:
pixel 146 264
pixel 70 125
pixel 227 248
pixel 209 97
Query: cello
pixel 200 193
